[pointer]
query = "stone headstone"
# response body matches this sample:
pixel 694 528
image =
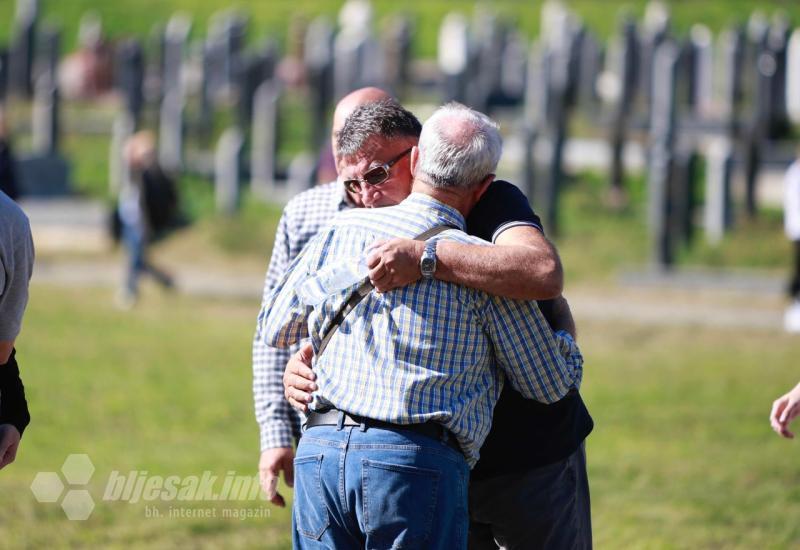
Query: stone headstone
pixel 453 52
pixel 318 57
pixel 23 48
pixel 703 89
pixel 662 136
pixel 732 53
pixel 489 37
pixel 51 52
pixel 227 171
pixel 655 29
pixel 358 59
pixel 45 116
pixel 682 199
pixel 622 59
pixel 717 215
pixel 131 74
pixel 397 51
pixel 777 41
pixel 256 68
pixel 513 67
pixel 264 143
pixel 589 71
pixel 175 36
pixel 793 78
pixel 538 88
pixel 170 132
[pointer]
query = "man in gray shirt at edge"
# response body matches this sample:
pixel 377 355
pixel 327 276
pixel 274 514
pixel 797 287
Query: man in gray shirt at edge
pixel 16 258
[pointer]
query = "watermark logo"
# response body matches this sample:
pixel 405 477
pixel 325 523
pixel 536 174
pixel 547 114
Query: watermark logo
pixel 69 488
pixel 77 503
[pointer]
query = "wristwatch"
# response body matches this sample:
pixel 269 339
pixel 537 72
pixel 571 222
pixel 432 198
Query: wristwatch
pixel 427 263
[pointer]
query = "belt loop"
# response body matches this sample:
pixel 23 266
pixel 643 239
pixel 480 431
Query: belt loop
pixel 363 427
pixel 340 421
pixel 445 435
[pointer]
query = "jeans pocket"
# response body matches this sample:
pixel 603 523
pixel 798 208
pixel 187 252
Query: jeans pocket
pixel 399 503
pixel 309 509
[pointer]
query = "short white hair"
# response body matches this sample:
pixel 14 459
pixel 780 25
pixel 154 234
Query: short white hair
pixel 458 147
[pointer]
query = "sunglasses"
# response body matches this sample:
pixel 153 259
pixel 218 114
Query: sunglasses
pixel 374 176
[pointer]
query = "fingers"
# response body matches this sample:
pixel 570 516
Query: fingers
pixel 297 399
pixel 774 417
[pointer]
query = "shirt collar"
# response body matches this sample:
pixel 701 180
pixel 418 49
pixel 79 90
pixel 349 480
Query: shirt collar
pixel 446 213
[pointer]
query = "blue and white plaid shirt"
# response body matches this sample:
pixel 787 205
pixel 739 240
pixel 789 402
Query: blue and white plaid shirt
pixel 303 217
pixel 431 351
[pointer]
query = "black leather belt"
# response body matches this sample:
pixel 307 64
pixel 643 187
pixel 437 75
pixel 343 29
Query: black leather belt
pixel 335 417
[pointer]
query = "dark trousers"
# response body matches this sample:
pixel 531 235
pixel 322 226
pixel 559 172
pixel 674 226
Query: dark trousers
pixel 545 507
pixel 794 282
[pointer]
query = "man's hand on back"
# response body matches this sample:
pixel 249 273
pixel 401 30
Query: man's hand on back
pixel 272 462
pixel 9 443
pixel 394 263
pixel 298 379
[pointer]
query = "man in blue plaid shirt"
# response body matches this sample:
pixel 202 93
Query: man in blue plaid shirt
pixel 413 367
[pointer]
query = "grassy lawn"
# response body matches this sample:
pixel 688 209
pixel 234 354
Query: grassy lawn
pixel 682 455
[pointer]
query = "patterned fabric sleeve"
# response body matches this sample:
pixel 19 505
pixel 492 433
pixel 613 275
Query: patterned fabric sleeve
pixel 540 364
pixel 279 424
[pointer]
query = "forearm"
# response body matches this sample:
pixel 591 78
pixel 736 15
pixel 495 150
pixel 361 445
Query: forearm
pixel 562 317
pixel 523 272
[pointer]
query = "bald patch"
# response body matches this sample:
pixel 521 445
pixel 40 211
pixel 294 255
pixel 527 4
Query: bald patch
pixel 353 100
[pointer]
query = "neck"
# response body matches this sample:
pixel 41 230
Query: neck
pixel 460 199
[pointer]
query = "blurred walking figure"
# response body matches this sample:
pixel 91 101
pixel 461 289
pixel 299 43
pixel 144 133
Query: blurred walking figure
pixel 148 205
pixel 8 179
pixel 791 218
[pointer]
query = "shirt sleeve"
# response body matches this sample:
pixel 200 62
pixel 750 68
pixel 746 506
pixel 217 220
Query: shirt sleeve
pixel 279 424
pixel 17 268
pixel 539 363
pixel 501 207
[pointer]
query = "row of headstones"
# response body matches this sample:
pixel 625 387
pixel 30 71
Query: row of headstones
pixel 562 68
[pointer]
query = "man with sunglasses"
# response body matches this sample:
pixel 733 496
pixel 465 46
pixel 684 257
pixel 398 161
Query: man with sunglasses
pixel 524 266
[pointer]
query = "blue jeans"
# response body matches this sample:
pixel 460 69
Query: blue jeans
pixel 378 488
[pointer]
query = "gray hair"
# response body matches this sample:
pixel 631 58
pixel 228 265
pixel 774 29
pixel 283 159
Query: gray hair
pixel 458 147
pixel 386 119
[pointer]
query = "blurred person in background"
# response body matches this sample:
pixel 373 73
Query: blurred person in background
pixel 791 224
pixel 8 175
pixel 147 208
pixel 16 257
pixel 785 409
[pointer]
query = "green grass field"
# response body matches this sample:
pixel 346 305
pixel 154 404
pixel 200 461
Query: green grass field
pixel 681 457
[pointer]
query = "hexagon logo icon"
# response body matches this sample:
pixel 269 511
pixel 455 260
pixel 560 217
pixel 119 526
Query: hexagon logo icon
pixel 77 502
pixel 47 487
pixel 77 469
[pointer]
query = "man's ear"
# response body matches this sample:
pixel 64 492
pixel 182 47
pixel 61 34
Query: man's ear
pixel 483 186
pixel 414 159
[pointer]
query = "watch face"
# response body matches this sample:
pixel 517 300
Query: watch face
pixel 427 266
